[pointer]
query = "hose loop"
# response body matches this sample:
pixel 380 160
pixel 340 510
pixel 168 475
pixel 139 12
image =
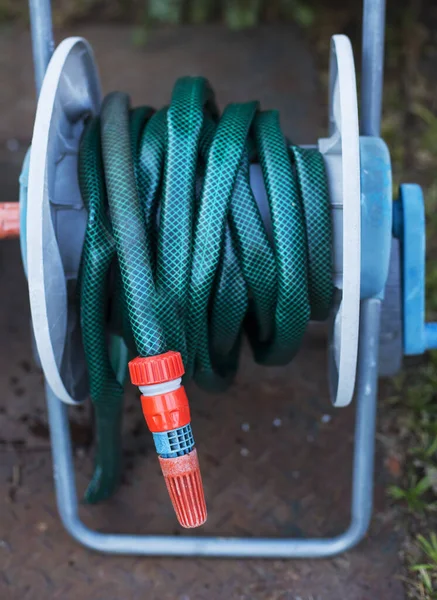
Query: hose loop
pixel 176 252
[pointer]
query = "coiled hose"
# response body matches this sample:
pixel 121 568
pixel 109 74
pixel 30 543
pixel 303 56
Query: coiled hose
pixel 176 254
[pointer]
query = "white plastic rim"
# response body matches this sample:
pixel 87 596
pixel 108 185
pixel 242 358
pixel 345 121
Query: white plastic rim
pixel 69 92
pixel 342 157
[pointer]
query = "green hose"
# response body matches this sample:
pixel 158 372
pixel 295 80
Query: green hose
pixel 176 254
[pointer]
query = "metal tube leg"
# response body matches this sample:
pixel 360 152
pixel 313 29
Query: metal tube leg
pixel 238 547
pixel 365 428
pixel 372 66
pixel 63 467
pixel 42 38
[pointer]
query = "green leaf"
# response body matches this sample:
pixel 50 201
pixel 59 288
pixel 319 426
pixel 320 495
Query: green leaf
pixel 426 579
pixel 396 492
pixel 432 449
pixel 422 567
pixel 423 485
pixel 429 547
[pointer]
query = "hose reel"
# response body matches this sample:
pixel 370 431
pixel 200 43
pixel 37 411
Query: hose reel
pixel 49 184
pixel 56 218
pixel 53 224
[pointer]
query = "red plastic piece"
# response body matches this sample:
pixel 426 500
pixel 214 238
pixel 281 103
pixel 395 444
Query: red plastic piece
pixel 164 412
pixel 9 219
pixel 184 485
pixel 156 369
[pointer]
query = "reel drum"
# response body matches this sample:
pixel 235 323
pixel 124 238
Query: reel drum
pixel 56 217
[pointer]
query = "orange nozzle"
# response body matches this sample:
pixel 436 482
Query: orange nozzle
pixel 184 484
pixel 9 220
pixel 156 369
pixel 167 413
pixel 164 412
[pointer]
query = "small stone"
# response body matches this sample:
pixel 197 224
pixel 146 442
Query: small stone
pixel 12 145
pixel 244 452
pixel 326 418
pixel 41 527
pixel 341 562
pixel 295 474
pixel 80 452
pixel 277 422
pixel 245 427
pixel 393 465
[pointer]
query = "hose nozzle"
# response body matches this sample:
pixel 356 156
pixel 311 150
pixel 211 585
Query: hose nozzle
pixel 167 413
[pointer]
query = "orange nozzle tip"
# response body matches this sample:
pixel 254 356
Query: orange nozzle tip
pixel 156 369
pixel 184 484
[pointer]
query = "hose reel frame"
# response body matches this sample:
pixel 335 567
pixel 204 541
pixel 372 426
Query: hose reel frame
pixel 366 389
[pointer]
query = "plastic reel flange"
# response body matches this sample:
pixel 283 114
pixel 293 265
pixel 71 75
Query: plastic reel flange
pixel 341 151
pixel 56 217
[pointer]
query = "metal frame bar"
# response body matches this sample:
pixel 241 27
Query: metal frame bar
pixel 372 66
pixel 363 461
pixel 43 43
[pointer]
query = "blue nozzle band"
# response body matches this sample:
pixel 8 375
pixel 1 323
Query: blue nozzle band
pixel 177 442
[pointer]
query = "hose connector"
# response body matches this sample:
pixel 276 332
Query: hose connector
pixel 9 220
pixel 167 413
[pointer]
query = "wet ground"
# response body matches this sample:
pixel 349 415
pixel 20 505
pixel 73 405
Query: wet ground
pixel 276 458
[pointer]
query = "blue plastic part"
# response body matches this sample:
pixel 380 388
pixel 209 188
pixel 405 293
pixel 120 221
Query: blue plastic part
pixel 398 225
pixel 24 184
pixel 431 336
pixel 376 215
pixel 177 442
pixel 411 230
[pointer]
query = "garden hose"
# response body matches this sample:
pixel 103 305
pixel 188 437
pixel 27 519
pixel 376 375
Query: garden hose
pixel 177 258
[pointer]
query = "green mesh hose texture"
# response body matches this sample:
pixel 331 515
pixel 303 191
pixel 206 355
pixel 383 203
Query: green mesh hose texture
pixel 176 251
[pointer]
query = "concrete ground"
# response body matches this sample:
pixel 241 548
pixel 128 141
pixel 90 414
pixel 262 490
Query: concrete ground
pixel 276 457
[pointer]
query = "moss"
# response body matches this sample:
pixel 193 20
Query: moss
pixel 241 14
